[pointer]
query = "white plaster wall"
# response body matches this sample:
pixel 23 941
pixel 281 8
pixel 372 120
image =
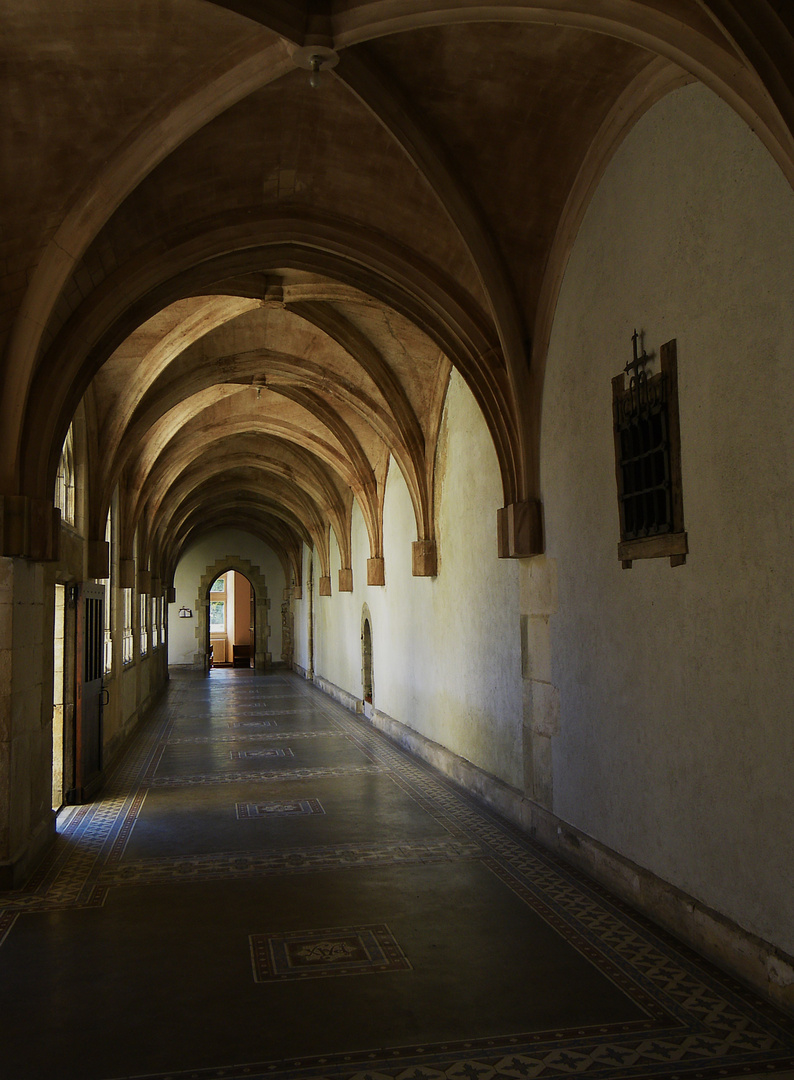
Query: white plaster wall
pixel 676 684
pixel 446 650
pixel 218 544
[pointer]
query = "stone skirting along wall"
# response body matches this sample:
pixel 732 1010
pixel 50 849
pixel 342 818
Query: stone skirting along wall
pixel 769 970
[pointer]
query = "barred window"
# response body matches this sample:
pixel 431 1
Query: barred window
pixel 127 633
pixel 109 605
pixel 144 627
pixel 648 459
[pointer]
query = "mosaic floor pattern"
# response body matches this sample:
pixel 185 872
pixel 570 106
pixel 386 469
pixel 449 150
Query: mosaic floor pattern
pixel 514 965
pixel 336 950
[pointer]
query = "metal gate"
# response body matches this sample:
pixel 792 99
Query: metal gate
pixel 89 691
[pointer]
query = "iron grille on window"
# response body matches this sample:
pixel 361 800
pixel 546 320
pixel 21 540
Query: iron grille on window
pixel 648 459
pixel 643 433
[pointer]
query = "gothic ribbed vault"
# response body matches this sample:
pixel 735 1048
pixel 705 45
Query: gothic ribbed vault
pixel 258 288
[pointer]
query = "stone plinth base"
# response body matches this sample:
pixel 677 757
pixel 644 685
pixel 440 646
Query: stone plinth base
pixel 423 558
pixel 520 530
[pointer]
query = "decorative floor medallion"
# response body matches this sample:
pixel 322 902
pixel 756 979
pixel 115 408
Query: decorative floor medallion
pixel 278 808
pixel 240 755
pixel 316 954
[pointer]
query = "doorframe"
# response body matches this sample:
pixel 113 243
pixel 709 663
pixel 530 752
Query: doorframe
pixel 90 636
pixel 256 579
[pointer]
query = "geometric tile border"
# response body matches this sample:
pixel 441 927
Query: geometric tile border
pixel 307 859
pixel 275 752
pixel 251 723
pixel 285 808
pixel 317 954
pixel 256 777
pixel 205 740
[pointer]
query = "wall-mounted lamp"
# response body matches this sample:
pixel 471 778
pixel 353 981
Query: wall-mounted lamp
pixel 185 613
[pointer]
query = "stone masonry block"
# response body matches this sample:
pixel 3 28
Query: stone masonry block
pixel 5 799
pixel 6 578
pixel 325 585
pixel 346 579
pixel 538 586
pixel 5 695
pixel 519 530
pixel 376 572
pixel 535 648
pixel 542 769
pixel 24 625
pixel 6 622
pixel 545 709
pixel 28 667
pixel 424 562
pixel 98 559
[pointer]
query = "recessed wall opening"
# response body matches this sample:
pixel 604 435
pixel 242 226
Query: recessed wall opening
pixel 59 635
pixel 366 664
pixel 232 621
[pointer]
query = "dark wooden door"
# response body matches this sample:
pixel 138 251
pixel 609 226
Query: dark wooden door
pixel 90 668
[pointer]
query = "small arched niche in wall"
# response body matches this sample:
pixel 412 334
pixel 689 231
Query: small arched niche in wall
pixel 367 682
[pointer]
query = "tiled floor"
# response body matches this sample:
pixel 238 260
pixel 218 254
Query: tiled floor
pixel 267 888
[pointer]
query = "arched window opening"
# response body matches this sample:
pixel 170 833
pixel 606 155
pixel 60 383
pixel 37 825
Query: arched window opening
pixel 366 666
pixel 64 483
pixel 128 630
pixel 58 698
pixel 108 582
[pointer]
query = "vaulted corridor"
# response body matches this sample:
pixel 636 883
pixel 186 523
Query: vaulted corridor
pixel 268 887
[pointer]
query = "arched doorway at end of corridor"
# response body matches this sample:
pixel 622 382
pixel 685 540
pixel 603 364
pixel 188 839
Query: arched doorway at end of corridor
pixel 232 606
pixel 232 621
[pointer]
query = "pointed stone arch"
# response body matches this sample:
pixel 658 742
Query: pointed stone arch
pixel 262 656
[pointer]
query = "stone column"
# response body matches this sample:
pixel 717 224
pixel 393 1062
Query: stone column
pixel 262 657
pixel 27 822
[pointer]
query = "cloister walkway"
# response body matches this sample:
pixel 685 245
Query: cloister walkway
pixel 268 887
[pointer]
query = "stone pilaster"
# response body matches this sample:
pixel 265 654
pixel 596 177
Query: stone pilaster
pixel 29 528
pixel 26 819
pixel 97 559
pixel 541 699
